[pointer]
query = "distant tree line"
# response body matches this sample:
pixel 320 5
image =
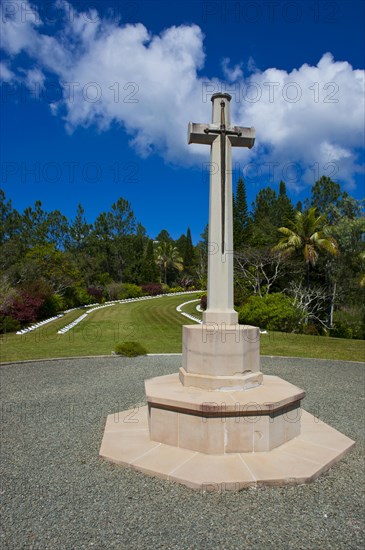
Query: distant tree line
pixel 304 262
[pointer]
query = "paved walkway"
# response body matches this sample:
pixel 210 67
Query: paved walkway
pixel 57 493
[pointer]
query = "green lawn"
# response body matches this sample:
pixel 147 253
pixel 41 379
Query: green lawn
pixel 154 323
pixel 301 345
pixel 157 325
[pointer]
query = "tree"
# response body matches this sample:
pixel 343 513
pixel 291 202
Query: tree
pixel 362 276
pixel 9 219
pixel 325 193
pixel 180 244
pixel 121 219
pixel 79 230
pixel 168 258
pixel 342 274
pixel 164 237
pixel 259 268
pixel 312 302
pixel 264 216
pixel 309 235
pixel 149 267
pixel 202 258
pixel 240 216
pixel 46 262
pixel 189 254
pixel 285 210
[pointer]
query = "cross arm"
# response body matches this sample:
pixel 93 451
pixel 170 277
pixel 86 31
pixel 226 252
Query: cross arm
pixel 197 134
pixel 245 137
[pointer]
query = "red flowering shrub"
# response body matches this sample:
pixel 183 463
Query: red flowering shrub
pixel 152 289
pixel 25 307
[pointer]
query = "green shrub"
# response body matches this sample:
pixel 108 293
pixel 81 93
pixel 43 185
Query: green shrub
pixel 113 290
pixel 176 289
pixel 349 323
pixel 8 324
pixel 311 329
pixel 272 312
pixel 128 290
pixel 76 295
pixel 130 349
pixel 51 306
pixel 241 295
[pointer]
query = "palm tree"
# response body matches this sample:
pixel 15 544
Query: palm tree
pixel 309 234
pixel 168 257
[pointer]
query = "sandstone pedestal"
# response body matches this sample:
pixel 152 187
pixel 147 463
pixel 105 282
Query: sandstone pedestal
pixel 225 432
pixel 221 357
pixel 127 442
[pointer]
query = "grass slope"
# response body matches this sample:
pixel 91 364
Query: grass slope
pixel 154 323
pixel 157 325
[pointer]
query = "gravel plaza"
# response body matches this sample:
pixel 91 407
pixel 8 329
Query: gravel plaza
pixel 58 493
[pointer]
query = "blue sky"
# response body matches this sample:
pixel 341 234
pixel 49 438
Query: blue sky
pixel 96 98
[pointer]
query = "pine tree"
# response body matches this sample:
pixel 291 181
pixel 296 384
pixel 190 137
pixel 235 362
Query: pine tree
pixel 240 216
pixel 264 222
pixel 189 254
pixel 79 229
pixel 285 210
pixel 164 237
pixel 149 273
pixel 180 244
pixel 325 192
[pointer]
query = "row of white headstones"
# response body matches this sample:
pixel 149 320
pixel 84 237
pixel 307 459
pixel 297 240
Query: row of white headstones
pixel 97 306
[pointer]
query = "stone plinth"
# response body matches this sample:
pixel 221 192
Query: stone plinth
pixel 301 460
pixel 220 356
pixel 216 422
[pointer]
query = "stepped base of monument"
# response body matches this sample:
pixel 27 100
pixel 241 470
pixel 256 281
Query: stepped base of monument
pixel 259 418
pixel 223 440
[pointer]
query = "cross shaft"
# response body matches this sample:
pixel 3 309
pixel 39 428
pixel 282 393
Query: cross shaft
pixel 221 136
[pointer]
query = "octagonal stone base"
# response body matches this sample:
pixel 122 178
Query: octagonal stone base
pixel 127 442
pixel 217 422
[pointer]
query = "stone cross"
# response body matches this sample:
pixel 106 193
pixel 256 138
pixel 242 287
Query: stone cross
pixel 221 136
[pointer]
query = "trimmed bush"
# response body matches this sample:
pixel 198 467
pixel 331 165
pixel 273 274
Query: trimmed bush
pixel 272 312
pixel 130 349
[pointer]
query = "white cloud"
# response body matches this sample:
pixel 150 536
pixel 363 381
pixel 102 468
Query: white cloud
pixel 231 74
pixel 152 86
pixel 6 75
pixel 324 125
pixel 34 79
pixel 18 25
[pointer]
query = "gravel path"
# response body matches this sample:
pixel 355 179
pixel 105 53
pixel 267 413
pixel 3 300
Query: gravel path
pixel 58 494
